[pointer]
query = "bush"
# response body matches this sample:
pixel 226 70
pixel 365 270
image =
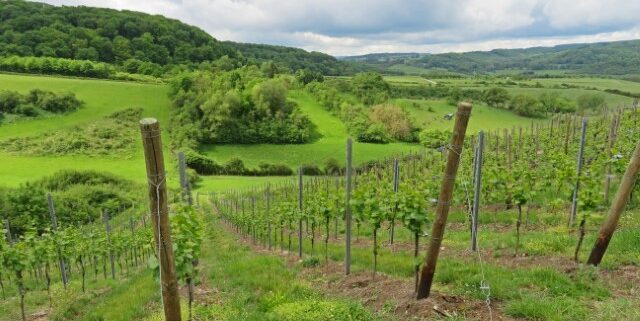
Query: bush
pixel 9 101
pixel 265 169
pixel 311 170
pixel 374 133
pixel 203 165
pixel 396 122
pixel 590 102
pixel 238 106
pixel 435 138
pixel 332 167
pixel 527 106
pixel 37 100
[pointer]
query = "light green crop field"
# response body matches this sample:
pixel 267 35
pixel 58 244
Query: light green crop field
pixel 430 114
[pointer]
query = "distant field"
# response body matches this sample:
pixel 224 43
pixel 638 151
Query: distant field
pixel 430 114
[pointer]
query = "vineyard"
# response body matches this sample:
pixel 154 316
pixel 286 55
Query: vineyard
pixel 544 192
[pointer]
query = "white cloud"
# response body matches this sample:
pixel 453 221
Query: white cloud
pixel 343 27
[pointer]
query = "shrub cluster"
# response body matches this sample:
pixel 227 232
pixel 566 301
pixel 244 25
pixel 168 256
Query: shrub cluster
pixel 36 102
pixel 239 106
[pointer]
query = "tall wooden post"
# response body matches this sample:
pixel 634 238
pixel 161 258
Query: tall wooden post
pixel 54 226
pixel 574 202
pixel 347 212
pixel 477 173
pixel 300 187
pixel 184 180
pixel 610 143
pixel 156 176
pixel 444 200
pixel 107 229
pixel 617 207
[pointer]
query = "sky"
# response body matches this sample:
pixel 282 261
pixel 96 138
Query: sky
pixel 355 27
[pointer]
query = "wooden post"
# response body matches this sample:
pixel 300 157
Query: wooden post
pixel 444 200
pixel 7 227
pixel 347 212
pixel 300 187
pixel 54 226
pixel 156 176
pixel 622 197
pixel 396 185
pixel 269 213
pixel 184 180
pixel 477 173
pixel 574 202
pixel 107 228
pixel 610 142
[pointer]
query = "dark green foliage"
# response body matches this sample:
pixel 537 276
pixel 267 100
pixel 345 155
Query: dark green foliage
pixel 435 138
pixel 370 88
pixel 79 197
pixel 332 167
pixel 555 103
pixel 57 66
pixel 311 170
pixel 289 59
pixel 238 106
pixel 106 35
pixel 37 101
pixel 496 97
pixel 590 102
pixel 306 76
pixel 204 165
pixel 525 105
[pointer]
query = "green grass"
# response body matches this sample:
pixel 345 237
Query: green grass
pixel 250 286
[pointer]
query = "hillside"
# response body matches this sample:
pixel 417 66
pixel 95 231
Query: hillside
pixel 106 35
pixel 607 58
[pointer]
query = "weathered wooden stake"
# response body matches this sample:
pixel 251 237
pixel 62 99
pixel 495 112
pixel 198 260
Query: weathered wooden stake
pixel 477 173
pixel 300 189
pixel 444 200
pixel 574 202
pixel 107 228
pixel 347 206
pixel 156 176
pixel 617 207
pixel 54 225
pixel 184 180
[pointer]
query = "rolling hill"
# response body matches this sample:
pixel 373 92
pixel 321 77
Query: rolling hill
pixel 607 58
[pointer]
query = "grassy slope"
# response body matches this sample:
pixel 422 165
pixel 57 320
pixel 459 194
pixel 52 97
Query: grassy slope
pixel 101 99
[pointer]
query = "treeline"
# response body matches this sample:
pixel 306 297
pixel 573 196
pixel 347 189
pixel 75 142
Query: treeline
pixel 204 165
pixel 290 59
pixel 147 72
pixel 80 197
pixel 521 104
pixel 36 102
pixel 106 35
